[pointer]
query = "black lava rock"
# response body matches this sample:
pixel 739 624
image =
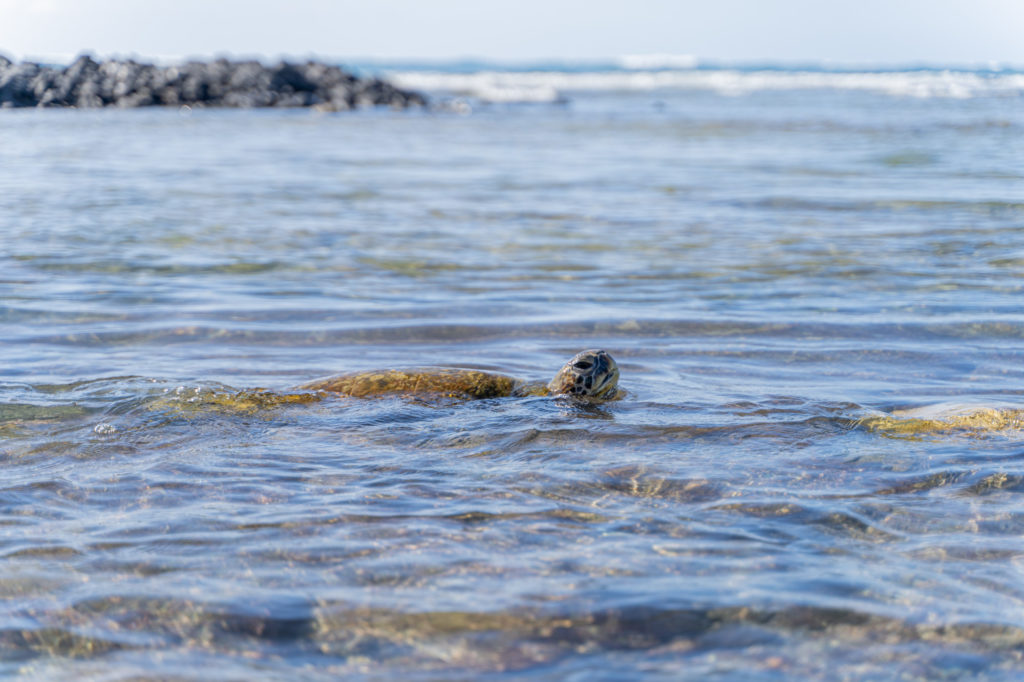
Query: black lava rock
pixel 87 83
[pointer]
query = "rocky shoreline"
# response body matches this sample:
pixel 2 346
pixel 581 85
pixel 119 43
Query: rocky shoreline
pixel 87 83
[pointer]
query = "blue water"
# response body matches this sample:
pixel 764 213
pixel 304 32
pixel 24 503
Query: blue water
pixel 769 266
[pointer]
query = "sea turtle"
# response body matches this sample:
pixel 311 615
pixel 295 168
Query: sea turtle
pixel 590 373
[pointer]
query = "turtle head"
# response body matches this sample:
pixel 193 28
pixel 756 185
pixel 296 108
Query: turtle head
pixel 589 373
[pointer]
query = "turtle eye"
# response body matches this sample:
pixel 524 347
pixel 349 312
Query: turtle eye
pixel 583 364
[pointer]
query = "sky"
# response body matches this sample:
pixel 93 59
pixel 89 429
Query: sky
pixel 853 31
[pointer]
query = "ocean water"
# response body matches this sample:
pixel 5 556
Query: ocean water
pixel 776 258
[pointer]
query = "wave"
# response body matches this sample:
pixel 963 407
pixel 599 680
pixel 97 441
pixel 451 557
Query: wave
pixel 265 331
pixel 645 74
pixel 658 61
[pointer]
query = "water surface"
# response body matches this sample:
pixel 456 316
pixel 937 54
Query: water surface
pixel 768 268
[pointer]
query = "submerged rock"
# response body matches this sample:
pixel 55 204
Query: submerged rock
pixel 87 83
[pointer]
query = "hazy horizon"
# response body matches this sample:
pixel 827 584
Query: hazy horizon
pixel 619 61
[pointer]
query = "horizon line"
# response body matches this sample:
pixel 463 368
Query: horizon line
pixel 633 61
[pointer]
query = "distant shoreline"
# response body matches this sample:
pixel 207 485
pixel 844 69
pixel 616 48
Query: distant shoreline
pixel 89 84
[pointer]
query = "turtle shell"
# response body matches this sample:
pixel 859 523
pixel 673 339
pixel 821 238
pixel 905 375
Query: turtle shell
pixel 454 383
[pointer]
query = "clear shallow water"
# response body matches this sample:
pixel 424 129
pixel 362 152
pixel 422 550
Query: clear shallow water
pixel 767 269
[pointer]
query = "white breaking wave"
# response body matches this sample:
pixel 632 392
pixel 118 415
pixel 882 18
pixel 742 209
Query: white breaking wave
pixel 658 61
pixel 547 86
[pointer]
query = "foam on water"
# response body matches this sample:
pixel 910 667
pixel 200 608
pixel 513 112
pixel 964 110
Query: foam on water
pixel 658 61
pixel 647 74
